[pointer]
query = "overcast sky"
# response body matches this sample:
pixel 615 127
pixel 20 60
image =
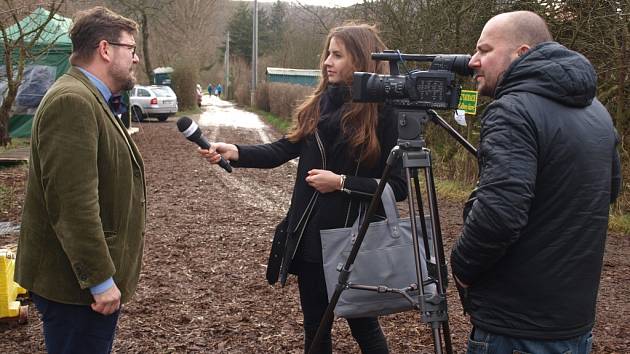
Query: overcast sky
pixel 329 3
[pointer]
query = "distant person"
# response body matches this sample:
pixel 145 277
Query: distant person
pixel 219 90
pixel 210 89
pixel 199 94
pixel 81 238
pixel 353 140
pixel 529 259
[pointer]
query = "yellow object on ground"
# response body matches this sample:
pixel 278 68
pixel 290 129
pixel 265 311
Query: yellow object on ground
pixel 9 290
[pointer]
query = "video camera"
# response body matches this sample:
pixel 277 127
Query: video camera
pixel 432 89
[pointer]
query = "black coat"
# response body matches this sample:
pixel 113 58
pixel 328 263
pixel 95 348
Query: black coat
pixel 336 209
pixel 533 242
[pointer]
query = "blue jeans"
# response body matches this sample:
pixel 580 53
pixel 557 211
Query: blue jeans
pixel 482 342
pixel 75 329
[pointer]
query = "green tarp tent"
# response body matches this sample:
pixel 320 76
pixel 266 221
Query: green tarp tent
pixel 41 73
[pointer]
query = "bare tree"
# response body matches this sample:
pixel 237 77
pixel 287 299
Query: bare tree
pixel 601 31
pixel 303 38
pixel 194 28
pixel 22 44
pixel 143 12
pixel 317 13
pixel 302 46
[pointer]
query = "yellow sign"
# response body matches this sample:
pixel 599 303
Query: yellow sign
pixel 468 101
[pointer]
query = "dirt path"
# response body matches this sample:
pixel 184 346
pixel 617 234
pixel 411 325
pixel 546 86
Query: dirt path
pixel 202 288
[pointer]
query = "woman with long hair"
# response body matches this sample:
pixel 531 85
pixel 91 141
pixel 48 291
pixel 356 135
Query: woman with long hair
pixel 343 148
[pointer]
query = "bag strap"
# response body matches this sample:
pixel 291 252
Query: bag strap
pixel 320 145
pixel 391 211
pixel 306 215
pixel 299 227
pixel 356 172
pixel 389 202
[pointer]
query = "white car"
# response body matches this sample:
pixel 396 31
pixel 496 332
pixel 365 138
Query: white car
pixel 152 101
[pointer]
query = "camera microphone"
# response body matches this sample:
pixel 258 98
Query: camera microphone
pixel 191 131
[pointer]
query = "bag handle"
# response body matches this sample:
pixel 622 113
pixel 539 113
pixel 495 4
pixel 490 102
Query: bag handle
pixel 391 212
pixel 356 172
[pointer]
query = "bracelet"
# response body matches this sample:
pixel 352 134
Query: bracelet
pixel 342 182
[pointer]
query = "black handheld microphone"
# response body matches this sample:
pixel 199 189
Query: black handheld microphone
pixel 191 131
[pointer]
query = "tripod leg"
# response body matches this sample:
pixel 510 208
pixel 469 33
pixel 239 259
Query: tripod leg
pixel 437 230
pixel 423 224
pixel 433 306
pixel 438 251
pixel 413 173
pixel 328 315
pixel 447 338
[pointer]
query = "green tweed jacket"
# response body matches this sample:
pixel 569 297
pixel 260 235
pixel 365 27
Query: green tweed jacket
pixel 84 212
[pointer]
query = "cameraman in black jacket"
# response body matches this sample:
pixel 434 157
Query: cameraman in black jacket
pixel 529 259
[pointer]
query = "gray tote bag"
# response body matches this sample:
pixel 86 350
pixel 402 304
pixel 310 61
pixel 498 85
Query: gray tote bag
pixel 385 257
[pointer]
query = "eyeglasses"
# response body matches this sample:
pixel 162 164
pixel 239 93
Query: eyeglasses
pixel 126 45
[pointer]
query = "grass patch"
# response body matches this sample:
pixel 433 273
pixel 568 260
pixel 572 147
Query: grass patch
pixel 279 123
pixel 16 143
pixel 453 190
pixel 188 112
pixel 619 223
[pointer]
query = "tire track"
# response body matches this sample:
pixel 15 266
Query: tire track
pixel 244 183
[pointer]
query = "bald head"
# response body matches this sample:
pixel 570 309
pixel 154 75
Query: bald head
pixel 522 27
pixel 503 39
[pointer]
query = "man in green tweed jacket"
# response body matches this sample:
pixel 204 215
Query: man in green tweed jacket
pixel 82 233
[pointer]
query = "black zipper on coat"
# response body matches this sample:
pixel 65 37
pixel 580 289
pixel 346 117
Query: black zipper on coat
pixel 306 215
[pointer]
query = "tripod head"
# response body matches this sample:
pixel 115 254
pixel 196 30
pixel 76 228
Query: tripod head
pixel 412 125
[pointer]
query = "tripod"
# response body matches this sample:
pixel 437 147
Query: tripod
pixel 415 156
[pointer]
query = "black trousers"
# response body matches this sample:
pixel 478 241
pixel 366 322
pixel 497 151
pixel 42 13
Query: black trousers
pixel 314 300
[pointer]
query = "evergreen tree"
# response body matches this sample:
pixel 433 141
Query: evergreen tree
pixel 277 24
pixel 240 27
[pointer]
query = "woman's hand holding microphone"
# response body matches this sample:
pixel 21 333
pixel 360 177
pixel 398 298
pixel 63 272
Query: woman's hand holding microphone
pixel 213 155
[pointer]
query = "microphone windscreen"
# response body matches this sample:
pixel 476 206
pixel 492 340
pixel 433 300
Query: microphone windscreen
pixel 187 126
pixel 183 123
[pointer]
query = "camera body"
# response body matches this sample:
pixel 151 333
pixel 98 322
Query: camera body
pixel 435 88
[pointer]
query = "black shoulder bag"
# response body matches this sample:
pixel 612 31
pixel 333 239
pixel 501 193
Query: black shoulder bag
pixel 277 250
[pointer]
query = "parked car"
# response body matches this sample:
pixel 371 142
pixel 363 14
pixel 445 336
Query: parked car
pixel 152 101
